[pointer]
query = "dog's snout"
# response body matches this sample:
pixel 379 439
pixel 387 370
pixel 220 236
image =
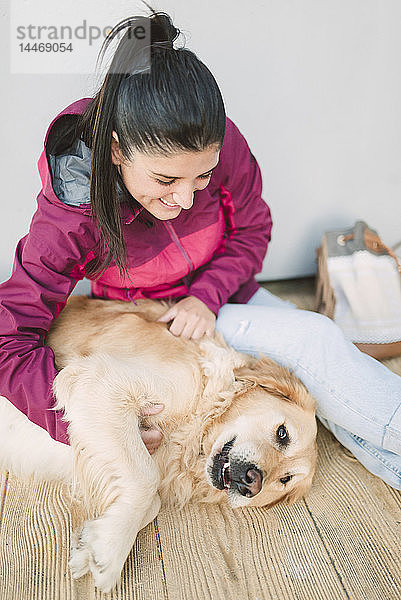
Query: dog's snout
pixel 249 482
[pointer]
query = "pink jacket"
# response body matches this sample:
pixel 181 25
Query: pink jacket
pixel 211 251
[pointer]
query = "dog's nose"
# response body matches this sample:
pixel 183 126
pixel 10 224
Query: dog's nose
pixel 249 483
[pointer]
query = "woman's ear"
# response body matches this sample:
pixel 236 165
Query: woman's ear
pixel 116 155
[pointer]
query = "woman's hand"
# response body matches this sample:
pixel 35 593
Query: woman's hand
pixel 152 436
pixel 191 318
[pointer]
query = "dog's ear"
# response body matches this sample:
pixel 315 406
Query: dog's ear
pixel 277 380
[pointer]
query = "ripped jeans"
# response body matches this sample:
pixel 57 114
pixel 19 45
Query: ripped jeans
pixel 358 399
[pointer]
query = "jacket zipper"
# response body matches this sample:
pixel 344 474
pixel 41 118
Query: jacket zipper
pixel 177 242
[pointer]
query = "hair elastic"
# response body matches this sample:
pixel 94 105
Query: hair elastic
pixel 164 44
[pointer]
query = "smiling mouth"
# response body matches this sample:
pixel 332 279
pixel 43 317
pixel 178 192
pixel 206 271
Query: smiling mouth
pixel 168 204
pixel 225 476
pixel 221 476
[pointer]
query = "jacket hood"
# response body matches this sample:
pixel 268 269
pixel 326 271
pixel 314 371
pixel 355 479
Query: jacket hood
pixel 66 177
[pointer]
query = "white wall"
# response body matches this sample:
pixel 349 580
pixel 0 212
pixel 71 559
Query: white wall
pixel 314 85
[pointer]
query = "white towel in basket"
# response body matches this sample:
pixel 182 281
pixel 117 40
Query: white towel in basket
pixel 367 288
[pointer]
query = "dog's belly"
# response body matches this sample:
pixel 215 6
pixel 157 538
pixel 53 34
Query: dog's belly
pixel 138 347
pixel 174 384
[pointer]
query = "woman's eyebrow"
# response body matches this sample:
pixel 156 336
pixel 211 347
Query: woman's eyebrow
pixel 171 176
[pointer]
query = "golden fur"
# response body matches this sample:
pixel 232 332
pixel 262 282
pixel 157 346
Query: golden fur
pixel 223 410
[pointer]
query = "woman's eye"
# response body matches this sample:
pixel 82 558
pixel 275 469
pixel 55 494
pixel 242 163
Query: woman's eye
pixel 165 182
pixel 174 180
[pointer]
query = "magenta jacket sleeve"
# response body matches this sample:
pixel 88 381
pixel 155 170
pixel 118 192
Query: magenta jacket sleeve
pixel 248 227
pixel 44 274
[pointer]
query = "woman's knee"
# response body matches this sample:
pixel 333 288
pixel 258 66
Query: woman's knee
pixel 279 332
pixel 320 325
pixel 310 327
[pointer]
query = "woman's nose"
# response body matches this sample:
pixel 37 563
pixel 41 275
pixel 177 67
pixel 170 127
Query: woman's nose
pixel 184 199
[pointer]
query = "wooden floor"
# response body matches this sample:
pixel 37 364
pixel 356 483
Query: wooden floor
pixel 341 542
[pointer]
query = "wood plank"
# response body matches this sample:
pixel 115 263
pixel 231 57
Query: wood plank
pixel 35 529
pixel 357 517
pixel 34 539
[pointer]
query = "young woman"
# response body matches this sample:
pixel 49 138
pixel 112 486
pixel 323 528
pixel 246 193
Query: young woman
pixel 150 191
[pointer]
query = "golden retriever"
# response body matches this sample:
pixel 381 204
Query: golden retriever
pixel 236 428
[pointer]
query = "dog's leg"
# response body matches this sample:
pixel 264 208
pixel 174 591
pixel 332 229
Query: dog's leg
pixel 117 476
pixel 25 448
pixel 104 543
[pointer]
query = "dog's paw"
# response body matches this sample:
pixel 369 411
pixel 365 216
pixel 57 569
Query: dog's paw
pixel 79 557
pixel 94 553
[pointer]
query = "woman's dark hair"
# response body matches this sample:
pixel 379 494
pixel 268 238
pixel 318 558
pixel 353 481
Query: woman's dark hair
pixel 173 105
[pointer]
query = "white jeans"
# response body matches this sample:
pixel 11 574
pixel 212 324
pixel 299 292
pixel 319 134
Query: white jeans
pixel 358 398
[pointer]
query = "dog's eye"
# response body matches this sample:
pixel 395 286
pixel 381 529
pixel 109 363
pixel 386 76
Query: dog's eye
pixel 282 435
pixel 286 479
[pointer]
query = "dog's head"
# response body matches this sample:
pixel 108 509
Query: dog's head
pixel 262 450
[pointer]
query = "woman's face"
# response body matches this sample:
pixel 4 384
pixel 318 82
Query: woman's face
pixel 165 185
